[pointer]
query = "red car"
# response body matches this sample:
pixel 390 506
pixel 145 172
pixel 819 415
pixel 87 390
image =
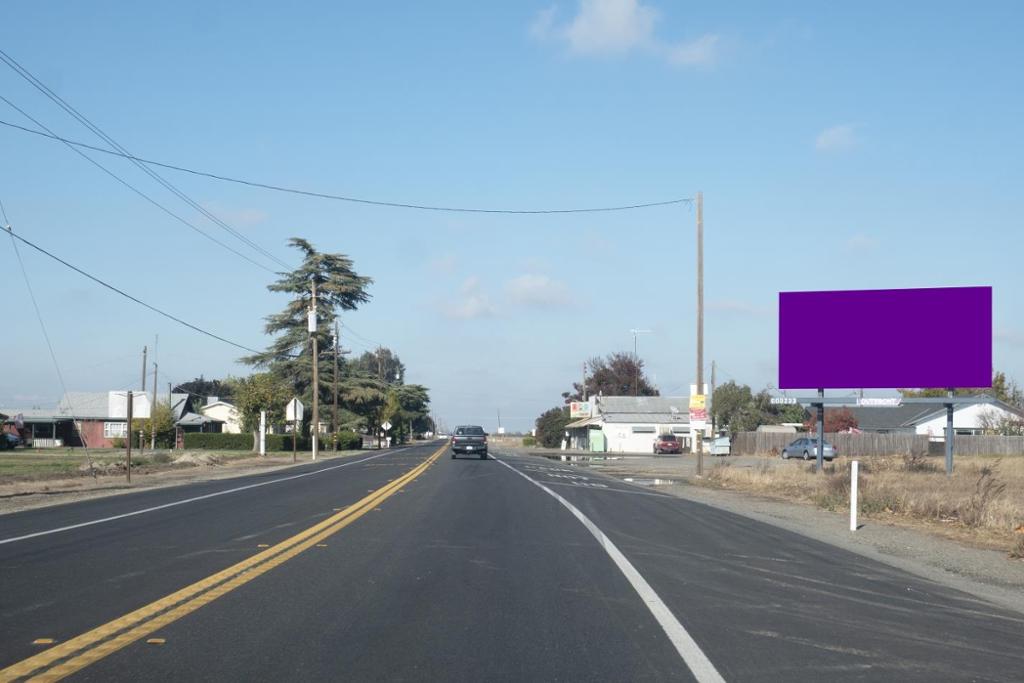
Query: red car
pixel 667 443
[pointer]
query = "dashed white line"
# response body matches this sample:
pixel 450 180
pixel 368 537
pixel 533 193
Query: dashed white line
pixel 700 666
pixel 182 502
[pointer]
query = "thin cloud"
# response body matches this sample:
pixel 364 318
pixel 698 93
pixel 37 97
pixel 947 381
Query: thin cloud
pixel 861 242
pixel 472 304
pixel 239 218
pixel 620 27
pixel 538 291
pixel 1010 338
pixel 735 306
pixel 836 138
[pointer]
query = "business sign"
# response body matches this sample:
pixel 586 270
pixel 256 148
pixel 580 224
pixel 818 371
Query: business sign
pixel 698 411
pixel 579 409
pixel 886 338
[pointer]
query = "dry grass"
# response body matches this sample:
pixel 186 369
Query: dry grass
pixel 983 502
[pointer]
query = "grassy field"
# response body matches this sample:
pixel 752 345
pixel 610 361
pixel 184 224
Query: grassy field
pixel 983 502
pixel 28 465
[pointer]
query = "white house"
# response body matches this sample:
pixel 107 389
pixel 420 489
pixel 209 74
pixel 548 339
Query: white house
pixel 630 424
pixel 222 411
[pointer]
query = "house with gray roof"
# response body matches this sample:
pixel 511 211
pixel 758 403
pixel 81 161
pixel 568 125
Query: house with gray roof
pixel 630 424
pixel 930 420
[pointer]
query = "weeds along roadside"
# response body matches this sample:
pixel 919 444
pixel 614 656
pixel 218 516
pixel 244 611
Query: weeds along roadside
pixel 982 503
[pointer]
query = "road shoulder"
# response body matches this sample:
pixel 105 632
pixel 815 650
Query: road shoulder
pixel 986 574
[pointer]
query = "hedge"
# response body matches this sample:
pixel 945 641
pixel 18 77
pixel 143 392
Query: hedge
pixel 275 442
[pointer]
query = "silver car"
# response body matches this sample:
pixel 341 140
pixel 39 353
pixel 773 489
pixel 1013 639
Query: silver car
pixel 807 448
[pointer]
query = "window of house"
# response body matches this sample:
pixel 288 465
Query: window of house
pixel 680 430
pixel 115 430
pixel 643 429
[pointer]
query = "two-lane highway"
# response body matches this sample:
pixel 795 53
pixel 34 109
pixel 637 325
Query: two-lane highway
pixel 409 565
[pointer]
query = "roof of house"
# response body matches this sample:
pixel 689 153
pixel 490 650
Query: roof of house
pixel 84 404
pixel 190 419
pixel 644 409
pixel 909 415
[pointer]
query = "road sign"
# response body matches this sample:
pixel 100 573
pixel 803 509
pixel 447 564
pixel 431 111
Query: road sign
pixel 386 426
pixel 294 411
pixel 698 411
pixel 579 409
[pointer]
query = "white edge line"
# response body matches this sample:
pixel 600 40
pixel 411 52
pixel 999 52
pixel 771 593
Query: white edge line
pixel 700 666
pixel 182 502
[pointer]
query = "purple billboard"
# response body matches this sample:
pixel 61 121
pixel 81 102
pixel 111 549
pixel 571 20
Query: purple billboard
pixel 886 338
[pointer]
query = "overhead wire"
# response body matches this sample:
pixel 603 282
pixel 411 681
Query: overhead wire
pixel 345 198
pixel 81 118
pixel 46 335
pixel 140 192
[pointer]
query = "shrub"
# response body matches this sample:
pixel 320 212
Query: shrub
pixel 529 441
pixel 161 458
pixel 222 442
pixel 283 442
pixel 349 440
pixel 117 443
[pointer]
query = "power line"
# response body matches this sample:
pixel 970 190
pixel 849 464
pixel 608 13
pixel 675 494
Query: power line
pixel 138 191
pixel 46 335
pixel 344 198
pixel 81 118
pixel 126 295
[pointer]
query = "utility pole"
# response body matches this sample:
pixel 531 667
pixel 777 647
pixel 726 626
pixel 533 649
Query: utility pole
pixel 128 456
pixel 334 381
pixel 316 375
pixel 583 387
pixel 499 420
pixel 636 362
pixel 699 438
pixel 152 413
pixel 145 349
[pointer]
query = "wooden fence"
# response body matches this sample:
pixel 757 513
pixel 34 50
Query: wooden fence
pixel 867 444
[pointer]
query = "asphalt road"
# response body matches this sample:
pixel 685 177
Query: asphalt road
pixel 390 568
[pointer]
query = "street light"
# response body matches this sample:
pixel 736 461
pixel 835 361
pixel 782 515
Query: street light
pixel 636 361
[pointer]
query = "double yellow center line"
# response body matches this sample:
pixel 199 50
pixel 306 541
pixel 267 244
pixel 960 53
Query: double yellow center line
pixel 81 651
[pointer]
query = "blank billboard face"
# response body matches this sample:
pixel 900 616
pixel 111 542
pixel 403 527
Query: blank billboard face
pixel 886 338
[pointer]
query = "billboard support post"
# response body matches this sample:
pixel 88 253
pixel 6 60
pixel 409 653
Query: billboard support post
pixel 821 433
pixel 949 435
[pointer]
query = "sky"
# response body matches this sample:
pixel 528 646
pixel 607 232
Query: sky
pixel 847 146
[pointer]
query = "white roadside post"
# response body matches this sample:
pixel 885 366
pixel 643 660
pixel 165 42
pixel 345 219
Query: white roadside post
pixel 263 432
pixel 853 495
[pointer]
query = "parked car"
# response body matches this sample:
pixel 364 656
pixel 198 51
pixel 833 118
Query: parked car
pixel 807 448
pixel 667 443
pixel 10 441
pixel 470 439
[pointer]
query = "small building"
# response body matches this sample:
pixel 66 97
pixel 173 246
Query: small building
pixel 224 412
pixel 630 424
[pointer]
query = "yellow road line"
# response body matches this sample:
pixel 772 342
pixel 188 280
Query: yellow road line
pixel 156 615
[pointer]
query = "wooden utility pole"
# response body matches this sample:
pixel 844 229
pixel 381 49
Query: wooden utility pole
pixel 145 349
pixel 334 381
pixel 699 437
pixel 152 412
pixel 315 430
pixel 128 456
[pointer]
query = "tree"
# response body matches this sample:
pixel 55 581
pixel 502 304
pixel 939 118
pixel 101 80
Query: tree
pixel 727 402
pixel 338 287
pixel 1000 424
pixel 615 375
pixel 1002 388
pixel 551 427
pixel 366 397
pixel 405 405
pixel 162 423
pixel 205 388
pixel 836 420
pixel 384 364
pixel 262 391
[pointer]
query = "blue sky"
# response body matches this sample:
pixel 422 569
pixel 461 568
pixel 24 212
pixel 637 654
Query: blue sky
pixel 850 146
